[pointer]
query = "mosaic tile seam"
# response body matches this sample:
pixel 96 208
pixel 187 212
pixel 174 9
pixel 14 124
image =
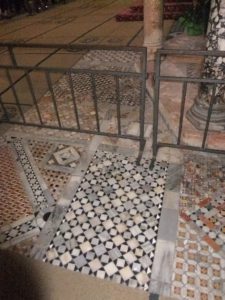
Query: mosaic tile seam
pixel 110 229
pixel 199 272
pixel 202 199
pixel 64 157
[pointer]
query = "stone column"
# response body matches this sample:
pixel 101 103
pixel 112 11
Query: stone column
pixel 153 26
pixel 214 67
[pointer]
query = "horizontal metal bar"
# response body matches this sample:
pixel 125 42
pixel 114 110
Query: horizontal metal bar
pixel 191 80
pixel 193 148
pixel 72 70
pixel 122 136
pixel 72 46
pixel 190 52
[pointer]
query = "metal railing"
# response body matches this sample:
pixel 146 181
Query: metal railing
pixel 94 76
pixel 159 78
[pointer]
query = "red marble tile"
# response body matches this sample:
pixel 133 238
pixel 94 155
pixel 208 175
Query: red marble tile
pixel 211 243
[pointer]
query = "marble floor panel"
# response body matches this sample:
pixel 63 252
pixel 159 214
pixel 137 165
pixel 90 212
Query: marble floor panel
pixel 110 228
pixel 199 272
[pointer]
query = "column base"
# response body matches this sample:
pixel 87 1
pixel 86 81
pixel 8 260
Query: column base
pixel 198 114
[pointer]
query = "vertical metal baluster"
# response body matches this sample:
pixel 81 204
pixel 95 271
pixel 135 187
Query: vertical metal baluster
pixel 95 101
pixel 4 109
pixel 184 92
pixel 156 110
pixel 74 100
pixel 118 104
pixel 15 95
pixel 53 97
pixel 142 79
pixel 29 81
pixel 209 116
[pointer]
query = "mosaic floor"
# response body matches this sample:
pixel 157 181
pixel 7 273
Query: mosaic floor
pixel 110 229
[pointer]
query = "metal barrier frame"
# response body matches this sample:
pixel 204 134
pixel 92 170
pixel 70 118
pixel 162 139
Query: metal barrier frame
pixel 142 75
pixel 185 80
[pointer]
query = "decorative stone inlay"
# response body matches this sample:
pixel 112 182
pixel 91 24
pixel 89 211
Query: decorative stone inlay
pixel 65 156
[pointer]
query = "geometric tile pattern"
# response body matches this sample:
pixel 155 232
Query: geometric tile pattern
pixel 39 149
pixel 55 181
pixel 14 203
pixel 110 229
pixel 203 199
pixel 105 84
pixel 199 272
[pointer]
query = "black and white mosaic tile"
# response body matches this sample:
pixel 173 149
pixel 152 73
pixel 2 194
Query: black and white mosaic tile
pixel 110 228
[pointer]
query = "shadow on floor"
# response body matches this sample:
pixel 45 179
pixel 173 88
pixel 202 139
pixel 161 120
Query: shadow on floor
pixel 18 281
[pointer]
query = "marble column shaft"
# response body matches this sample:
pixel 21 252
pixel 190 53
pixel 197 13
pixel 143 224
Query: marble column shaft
pixel 153 26
pixel 214 67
